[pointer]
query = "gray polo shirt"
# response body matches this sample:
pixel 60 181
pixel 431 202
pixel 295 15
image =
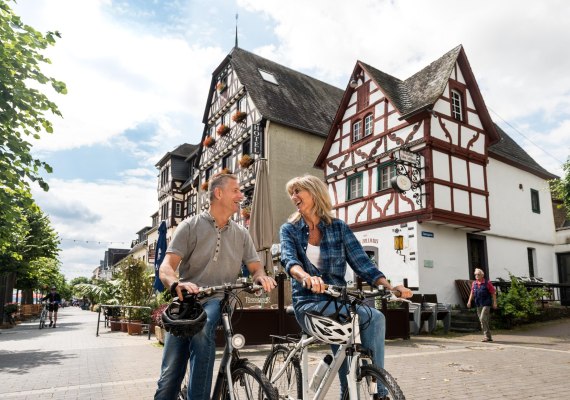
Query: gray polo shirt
pixel 210 255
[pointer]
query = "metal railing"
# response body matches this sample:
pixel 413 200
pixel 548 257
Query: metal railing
pixel 113 306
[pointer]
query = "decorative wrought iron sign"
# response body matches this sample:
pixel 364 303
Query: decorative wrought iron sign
pixel 408 173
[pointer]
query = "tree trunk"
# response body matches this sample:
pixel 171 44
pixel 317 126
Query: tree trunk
pixel 7 281
pixel 27 296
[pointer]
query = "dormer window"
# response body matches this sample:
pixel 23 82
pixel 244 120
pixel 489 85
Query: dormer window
pixel 268 77
pixel 457 105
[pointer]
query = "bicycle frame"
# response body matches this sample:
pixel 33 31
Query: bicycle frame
pixel 224 371
pixel 347 351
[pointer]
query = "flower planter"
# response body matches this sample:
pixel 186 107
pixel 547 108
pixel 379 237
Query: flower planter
pixel 239 116
pixel 209 141
pixel 222 130
pixel 245 161
pixel 134 327
pixel 124 326
pixel 246 213
pixel 115 324
pixel 221 87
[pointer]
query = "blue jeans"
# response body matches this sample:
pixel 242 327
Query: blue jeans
pixel 199 352
pixel 372 337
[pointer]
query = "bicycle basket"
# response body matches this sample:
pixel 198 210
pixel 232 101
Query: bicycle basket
pixel 184 318
pixel 335 328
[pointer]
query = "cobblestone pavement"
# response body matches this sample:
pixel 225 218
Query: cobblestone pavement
pixel 70 362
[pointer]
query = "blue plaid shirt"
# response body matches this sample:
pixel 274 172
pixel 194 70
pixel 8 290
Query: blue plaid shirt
pixel 338 247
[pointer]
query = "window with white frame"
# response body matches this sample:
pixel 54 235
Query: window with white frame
pixel 357 131
pixel 177 209
pixel 385 173
pixel 368 125
pixel 355 188
pixel 456 105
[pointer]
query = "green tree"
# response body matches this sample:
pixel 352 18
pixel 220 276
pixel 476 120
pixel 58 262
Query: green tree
pixel 23 110
pixel 561 187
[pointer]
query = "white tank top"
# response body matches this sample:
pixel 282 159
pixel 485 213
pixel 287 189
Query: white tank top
pixel 314 255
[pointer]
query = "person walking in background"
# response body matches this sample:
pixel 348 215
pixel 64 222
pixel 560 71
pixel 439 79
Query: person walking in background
pixel 485 297
pixel 315 250
pixel 53 299
pixel 207 249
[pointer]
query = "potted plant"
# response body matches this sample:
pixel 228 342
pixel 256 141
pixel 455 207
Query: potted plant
pixel 239 116
pixel 209 141
pixel 245 161
pixel 225 171
pixel 221 86
pixel 223 129
pixel 246 212
pixel 204 185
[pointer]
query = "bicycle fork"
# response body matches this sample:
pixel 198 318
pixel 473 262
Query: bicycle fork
pixel 225 371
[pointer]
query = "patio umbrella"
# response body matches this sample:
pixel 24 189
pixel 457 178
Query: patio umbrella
pixel 159 255
pixel 261 220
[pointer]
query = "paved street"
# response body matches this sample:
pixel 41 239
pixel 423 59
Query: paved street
pixel 70 362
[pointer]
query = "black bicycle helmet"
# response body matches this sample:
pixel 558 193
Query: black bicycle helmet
pixel 184 318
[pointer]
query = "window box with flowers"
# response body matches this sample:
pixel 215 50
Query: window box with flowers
pixel 221 86
pixel 205 185
pixel 209 141
pixel 225 171
pixel 223 129
pixel 245 161
pixel 239 116
pixel 246 212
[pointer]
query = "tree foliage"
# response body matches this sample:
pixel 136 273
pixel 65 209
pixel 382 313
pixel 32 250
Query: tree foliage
pixel 561 187
pixel 23 110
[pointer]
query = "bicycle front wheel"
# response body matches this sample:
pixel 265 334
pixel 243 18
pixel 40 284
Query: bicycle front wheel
pixel 289 384
pixel 248 382
pixel 367 381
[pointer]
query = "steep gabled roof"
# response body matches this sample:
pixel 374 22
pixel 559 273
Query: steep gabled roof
pixel 507 150
pixel 181 151
pixel 418 93
pixel 298 100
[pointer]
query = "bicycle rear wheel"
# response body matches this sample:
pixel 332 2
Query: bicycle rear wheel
pixel 248 383
pixel 367 381
pixel 289 384
pixel 42 321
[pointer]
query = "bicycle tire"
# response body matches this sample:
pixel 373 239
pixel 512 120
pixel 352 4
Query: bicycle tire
pixel 290 385
pixel 369 375
pixel 248 383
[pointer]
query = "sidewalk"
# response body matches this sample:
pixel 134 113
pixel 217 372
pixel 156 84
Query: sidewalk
pixel 70 362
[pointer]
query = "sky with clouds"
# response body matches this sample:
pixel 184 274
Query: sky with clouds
pixel 138 73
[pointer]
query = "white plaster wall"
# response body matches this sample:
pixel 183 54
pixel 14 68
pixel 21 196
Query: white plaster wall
pixel 447 251
pixel 479 205
pixel 393 120
pixel 442 197
pixel 459 171
pixel 510 209
pixel 470 103
pixel 379 126
pixel 350 111
pixel 460 77
pixel 476 175
pixel 460 201
pixel 473 120
pixel 341 190
pixel 507 255
pixel 440 165
pixel 374 97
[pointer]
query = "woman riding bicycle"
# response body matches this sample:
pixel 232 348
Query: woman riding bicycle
pixel 315 248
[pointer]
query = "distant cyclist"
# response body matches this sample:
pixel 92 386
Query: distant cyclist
pixel 54 299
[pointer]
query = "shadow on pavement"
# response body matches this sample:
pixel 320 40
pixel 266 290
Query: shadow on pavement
pixel 21 362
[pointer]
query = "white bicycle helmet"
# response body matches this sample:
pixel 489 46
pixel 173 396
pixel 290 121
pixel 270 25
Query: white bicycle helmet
pixel 332 329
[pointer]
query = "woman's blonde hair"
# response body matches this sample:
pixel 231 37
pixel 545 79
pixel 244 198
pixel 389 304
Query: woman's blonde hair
pixel 318 190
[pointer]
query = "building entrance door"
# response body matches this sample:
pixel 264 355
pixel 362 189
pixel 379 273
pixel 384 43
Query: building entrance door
pixel 477 253
pixel 564 277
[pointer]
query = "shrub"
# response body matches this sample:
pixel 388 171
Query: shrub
pixel 519 303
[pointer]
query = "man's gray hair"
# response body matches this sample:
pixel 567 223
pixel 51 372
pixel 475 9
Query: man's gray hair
pixel 219 181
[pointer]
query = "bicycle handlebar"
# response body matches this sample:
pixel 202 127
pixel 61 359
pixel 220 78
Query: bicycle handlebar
pixel 208 291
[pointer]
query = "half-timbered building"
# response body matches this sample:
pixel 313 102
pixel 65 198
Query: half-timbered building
pixel 256 109
pixel 430 185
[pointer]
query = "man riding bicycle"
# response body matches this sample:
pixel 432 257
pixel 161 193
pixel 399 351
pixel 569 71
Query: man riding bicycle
pixel 54 299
